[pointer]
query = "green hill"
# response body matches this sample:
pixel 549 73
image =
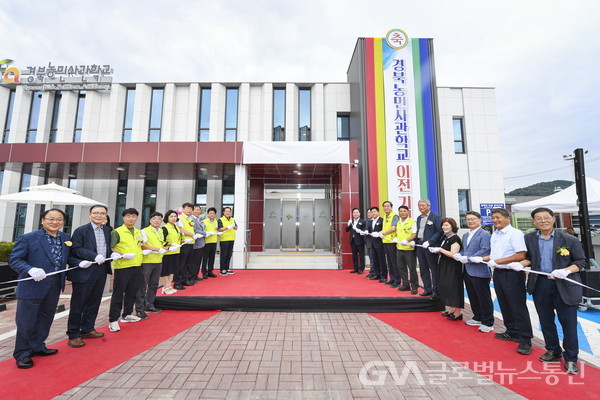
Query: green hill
pixel 540 189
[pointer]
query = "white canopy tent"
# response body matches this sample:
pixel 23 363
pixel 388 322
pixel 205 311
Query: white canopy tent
pixel 51 194
pixel 565 201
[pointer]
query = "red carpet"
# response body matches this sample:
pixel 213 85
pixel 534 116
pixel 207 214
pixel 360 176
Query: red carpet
pixel 56 374
pixel 475 350
pixel 292 283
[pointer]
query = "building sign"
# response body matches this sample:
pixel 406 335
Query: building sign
pixel 58 77
pixel 486 212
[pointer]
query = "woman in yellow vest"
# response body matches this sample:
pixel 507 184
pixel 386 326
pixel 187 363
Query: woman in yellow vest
pixel 170 260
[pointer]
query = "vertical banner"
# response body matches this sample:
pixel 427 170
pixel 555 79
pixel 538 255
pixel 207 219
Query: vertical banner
pixel 401 131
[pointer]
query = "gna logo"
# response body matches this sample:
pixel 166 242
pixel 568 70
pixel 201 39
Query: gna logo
pixel 9 75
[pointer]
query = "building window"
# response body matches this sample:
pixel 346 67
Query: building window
pixel 304 115
pixel 11 103
pixel 343 127
pixel 231 114
pixel 150 191
pixel 459 137
pixel 25 177
pixel 55 114
pixel 20 217
pixel 34 116
pixel 204 123
pixel 278 115
pixel 121 195
pixel 1 176
pixel 463 207
pixel 228 191
pixel 79 117
pixel 68 226
pixel 156 115
pixel 128 120
pixel 201 186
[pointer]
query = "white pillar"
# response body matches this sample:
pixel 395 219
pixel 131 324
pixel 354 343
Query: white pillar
pixel 241 215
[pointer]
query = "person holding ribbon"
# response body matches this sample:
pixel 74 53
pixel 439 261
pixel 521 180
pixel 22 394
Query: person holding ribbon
pixel 560 255
pixel 357 225
pixel 170 260
pixel 227 227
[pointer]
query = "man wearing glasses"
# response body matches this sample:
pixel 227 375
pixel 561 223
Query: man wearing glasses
pixel 90 243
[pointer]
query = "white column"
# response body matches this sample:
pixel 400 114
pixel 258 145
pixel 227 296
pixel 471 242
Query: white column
pixel 317 113
pixel 217 113
pixel 241 215
pixel 66 118
pixel 291 112
pixel 141 113
pixel 243 132
pixel 20 119
pixel 113 130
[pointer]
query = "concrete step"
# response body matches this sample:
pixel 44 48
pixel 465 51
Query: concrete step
pixel 282 260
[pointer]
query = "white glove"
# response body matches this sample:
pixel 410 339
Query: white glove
pixel 404 242
pixel 395 240
pixel 198 236
pixel 516 266
pixel 173 248
pixel 379 234
pixel 412 244
pixel 85 264
pixel 457 256
pixel 115 256
pixel 209 233
pixel 492 264
pixel 349 222
pixel 220 233
pixel 162 251
pixel 425 245
pixel 434 250
pixel 476 259
pixel 100 259
pixel 560 273
pixel 188 240
pixel 37 274
pixel 128 256
pixel 146 252
pixel 361 233
pixel 230 227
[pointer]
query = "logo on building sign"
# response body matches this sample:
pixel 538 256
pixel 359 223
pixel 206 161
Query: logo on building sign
pixel 396 39
pixel 57 77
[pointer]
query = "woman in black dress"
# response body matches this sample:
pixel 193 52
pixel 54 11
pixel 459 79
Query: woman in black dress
pixel 450 281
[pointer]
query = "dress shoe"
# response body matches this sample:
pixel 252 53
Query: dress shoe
pixel 179 287
pixel 425 294
pixel 374 278
pixel 153 310
pixel 551 356
pixel 45 352
pixel 189 283
pixel 92 335
pixel 524 348
pixel 204 276
pixel 506 336
pixel 77 342
pixel 571 367
pixel 382 280
pixel 413 291
pixel 389 283
pixel 446 314
pixel 434 297
pixel 404 288
pixel 142 315
pixel 353 271
pixel 369 275
pixel 453 317
pixel 198 279
pixel 395 285
pixel 24 363
pixel 360 272
pixel 211 275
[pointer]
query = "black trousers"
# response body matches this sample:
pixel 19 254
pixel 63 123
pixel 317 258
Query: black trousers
pixel 547 299
pixel 126 285
pixel 182 274
pixel 85 303
pixel 358 256
pixel 379 257
pixel 34 319
pixel 147 293
pixel 226 253
pixel 372 260
pixel 510 291
pixel 196 261
pixel 208 258
pixel 480 297
pixel 390 256
pixel 428 267
pixel 407 263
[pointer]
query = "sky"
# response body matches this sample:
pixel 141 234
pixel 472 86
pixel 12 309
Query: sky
pixel 541 56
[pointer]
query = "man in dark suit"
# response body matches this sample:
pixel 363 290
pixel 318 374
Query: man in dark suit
pixel 357 241
pixel 429 233
pixel 477 276
pixel 91 242
pixel 34 256
pixel 560 255
pixel 376 225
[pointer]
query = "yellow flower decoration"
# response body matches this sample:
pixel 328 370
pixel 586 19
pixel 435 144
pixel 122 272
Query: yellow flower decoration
pixel 68 243
pixel 563 251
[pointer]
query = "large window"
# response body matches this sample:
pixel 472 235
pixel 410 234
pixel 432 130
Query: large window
pixel 79 117
pixel 228 192
pixel 55 114
pixel 463 207
pixel 459 137
pixel 150 191
pixel 34 116
pixel 204 123
pixel 128 120
pixel 156 115
pixel 121 195
pixel 11 103
pixel 278 115
pixel 231 114
pixel 21 213
pixel 304 115
pixel 343 127
pixel 201 186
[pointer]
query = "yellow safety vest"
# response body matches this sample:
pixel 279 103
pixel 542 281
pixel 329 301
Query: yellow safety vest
pixel 404 230
pixel 387 224
pixel 211 226
pixel 228 235
pixel 173 237
pixel 188 225
pixel 128 243
pixel 155 239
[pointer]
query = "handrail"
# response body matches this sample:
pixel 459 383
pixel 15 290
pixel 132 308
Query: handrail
pixel 337 248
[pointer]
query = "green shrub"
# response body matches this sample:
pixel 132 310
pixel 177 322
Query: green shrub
pixel 5 250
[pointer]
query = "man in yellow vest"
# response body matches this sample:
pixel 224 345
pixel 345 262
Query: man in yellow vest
pixel 186 261
pixel 152 250
pixel 390 220
pixel 228 226
pixel 406 232
pixel 211 227
pixel 125 242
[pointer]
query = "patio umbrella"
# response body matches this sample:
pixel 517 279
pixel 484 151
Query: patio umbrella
pixel 51 193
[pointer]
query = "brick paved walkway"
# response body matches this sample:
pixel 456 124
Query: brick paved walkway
pixel 236 355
